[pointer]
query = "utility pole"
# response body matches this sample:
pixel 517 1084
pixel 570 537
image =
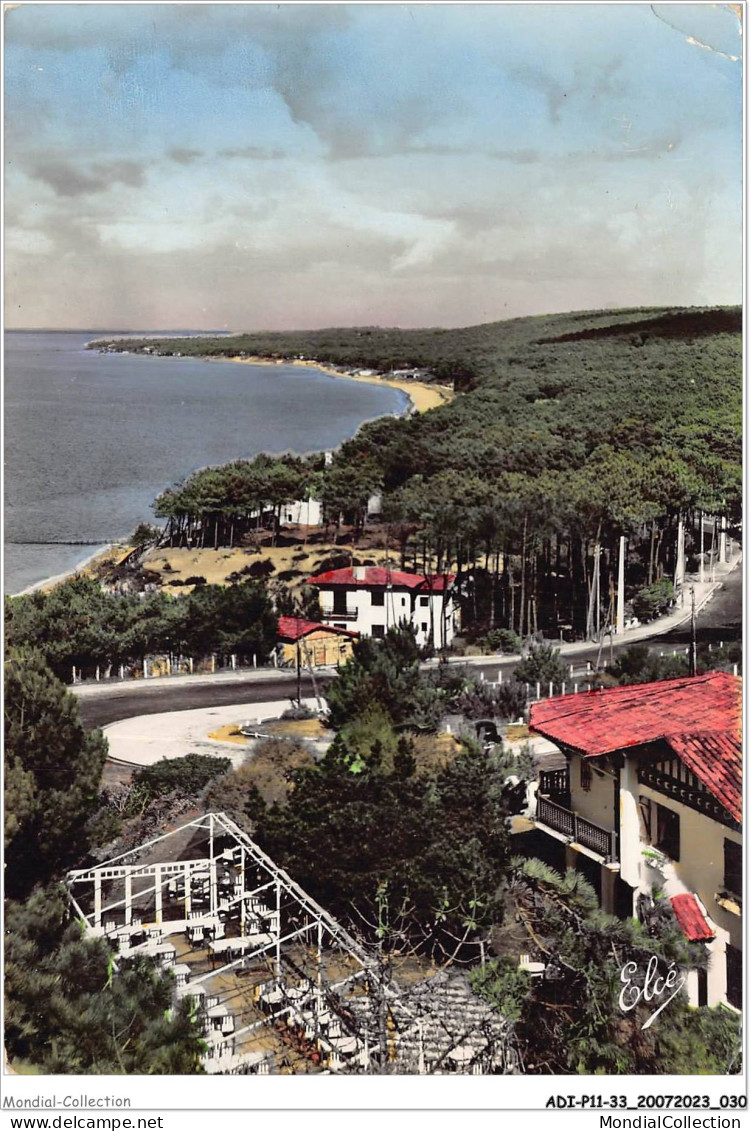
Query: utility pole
pixel 620 628
pixel 700 556
pixel 299 671
pixel 679 569
pixel 693 663
pixel 597 560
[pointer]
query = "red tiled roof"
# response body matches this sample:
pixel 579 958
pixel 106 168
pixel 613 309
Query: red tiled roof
pixel 294 628
pixel 717 760
pixel 691 919
pixel 379 576
pixel 437 582
pixel 597 722
pixel 699 717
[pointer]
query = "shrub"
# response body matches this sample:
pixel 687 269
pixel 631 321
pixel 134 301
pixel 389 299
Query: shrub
pixel 298 712
pixel 195 580
pixel 187 776
pixel 500 640
pixel 541 665
pixel 482 700
pixel 144 534
pixel 653 600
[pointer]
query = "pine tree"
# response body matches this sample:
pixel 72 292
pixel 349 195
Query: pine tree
pixel 52 772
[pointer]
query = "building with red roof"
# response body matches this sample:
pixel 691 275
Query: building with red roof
pixel 652 798
pixel 320 645
pixel 372 599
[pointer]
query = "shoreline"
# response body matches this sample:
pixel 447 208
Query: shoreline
pixel 422 395
pixel 112 550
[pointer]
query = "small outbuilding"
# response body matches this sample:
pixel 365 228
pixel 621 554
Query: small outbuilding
pixel 321 645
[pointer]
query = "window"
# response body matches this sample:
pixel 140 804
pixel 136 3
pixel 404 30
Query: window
pixel 339 603
pixel 378 598
pixel 668 832
pixel 733 867
pixel 734 976
pixel 424 602
pixel 378 630
pixel 424 626
pixel 585 776
pixel 403 600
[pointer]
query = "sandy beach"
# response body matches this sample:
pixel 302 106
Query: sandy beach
pixel 110 556
pixel 422 394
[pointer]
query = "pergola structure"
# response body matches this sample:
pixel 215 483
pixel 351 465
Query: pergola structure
pixel 279 984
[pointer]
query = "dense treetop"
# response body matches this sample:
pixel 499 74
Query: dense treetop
pixel 570 431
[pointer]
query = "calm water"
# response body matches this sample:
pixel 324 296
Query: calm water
pixel 91 439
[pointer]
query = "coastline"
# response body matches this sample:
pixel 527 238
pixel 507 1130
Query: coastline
pixel 422 395
pixel 110 554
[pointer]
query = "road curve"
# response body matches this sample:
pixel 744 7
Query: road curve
pixel 720 619
pixel 102 709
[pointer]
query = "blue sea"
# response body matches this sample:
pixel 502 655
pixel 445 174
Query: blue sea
pixel 91 439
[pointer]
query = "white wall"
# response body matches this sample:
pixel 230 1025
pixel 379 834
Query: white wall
pixel 398 605
pixel 303 512
pixel 701 863
pixel 699 870
pixel 598 803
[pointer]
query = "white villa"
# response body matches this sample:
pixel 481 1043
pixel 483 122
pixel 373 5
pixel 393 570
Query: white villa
pixel 371 599
pixel 652 797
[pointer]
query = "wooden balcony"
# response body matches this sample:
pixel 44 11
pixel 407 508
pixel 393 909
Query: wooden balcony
pixel 577 829
pixel 555 784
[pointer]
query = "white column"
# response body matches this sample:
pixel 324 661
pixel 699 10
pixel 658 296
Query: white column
pixel 630 827
pixel 700 555
pixel 97 900
pixel 243 901
pixel 128 899
pixel 213 890
pixel 620 624
pixel 679 571
pixel 157 895
pixel 278 928
pixel 188 891
pixel 723 539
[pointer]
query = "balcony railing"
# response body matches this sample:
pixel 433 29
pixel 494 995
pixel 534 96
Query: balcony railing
pixel 578 829
pixel 329 613
pixel 555 784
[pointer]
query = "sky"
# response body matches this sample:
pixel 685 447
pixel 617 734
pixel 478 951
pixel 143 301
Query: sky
pixel 257 166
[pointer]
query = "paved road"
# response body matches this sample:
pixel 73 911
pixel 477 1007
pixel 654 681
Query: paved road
pixel 721 619
pixel 97 712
